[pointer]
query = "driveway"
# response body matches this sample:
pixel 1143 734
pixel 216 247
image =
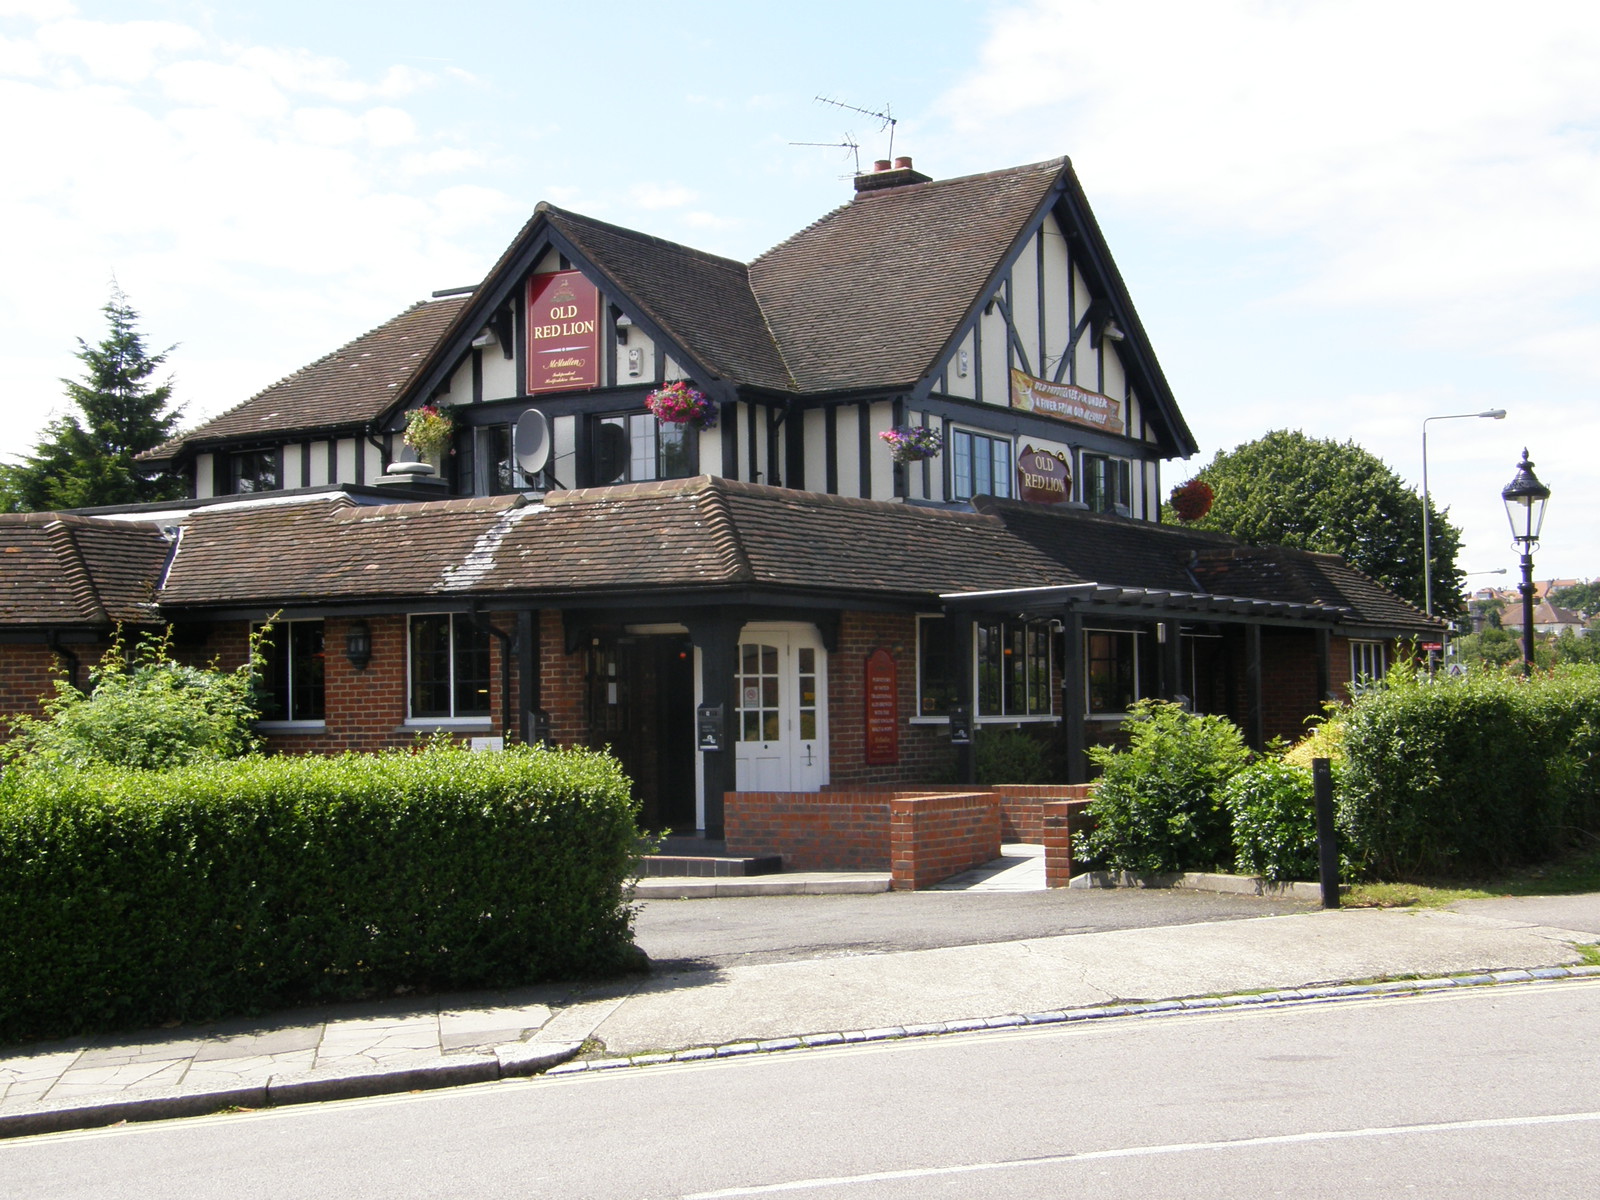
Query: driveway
pixel 741 931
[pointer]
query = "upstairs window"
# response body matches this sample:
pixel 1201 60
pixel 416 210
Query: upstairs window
pixel 252 471
pixel 449 668
pixel 292 687
pixel 980 465
pixel 636 448
pixel 1107 484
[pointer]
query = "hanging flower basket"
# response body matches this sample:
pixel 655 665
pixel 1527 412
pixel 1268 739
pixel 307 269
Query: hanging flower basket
pixel 1192 500
pixel 680 404
pixel 429 430
pixel 913 443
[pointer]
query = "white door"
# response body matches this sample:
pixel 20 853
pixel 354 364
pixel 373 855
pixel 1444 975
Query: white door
pixel 781 721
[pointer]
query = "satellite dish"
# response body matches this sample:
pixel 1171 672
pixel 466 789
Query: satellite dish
pixel 610 453
pixel 531 442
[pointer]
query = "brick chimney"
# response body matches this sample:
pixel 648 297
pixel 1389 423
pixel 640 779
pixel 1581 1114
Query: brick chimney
pixel 883 175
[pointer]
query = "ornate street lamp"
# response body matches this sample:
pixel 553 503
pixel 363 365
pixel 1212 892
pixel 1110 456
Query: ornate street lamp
pixel 1493 414
pixel 1525 499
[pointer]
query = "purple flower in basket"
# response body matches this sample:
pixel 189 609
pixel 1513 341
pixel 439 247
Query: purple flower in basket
pixel 913 443
pixel 679 404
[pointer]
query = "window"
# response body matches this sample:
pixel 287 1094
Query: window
pixel 292 681
pixel 1013 675
pixel 979 465
pixel 449 668
pixel 1368 662
pixel 1112 658
pixel 637 447
pixel 1107 484
pixel 252 471
pixel 500 461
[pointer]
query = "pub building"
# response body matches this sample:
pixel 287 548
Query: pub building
pixel 665 518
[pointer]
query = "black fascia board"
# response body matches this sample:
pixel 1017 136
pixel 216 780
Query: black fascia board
pixel 1106 278
pixel 920 387
pixel 278 437
pixel 1132 603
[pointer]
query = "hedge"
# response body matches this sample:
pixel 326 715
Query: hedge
pixel 1467 777
pixel 131 898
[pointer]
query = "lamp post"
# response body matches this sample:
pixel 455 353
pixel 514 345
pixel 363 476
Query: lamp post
pixel 1525 499
pixel 1493 414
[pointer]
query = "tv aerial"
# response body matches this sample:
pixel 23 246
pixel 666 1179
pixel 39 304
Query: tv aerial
pixel 885 118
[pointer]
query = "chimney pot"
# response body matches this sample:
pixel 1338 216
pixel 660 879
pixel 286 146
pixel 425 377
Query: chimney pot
pixel 881 164
pixel 903 162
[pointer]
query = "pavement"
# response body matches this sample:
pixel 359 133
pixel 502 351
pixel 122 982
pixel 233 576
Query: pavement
pixel 686 1011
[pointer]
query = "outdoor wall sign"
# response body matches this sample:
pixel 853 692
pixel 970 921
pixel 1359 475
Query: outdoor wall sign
pixel 1066 402
pixel 883 710
pixel 563 332
pixel 1043 477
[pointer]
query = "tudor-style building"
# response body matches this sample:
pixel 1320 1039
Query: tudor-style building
pixel 767 600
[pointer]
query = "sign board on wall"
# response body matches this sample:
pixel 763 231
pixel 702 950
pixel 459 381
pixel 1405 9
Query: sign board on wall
pixel 882 699
pixel 1043 477
pixel 563 332
pixel 1066 402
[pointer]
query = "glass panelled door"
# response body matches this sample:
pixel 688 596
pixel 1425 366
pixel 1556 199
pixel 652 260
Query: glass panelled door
pixel 782 716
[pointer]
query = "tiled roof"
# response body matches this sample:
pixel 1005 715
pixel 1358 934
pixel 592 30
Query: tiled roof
pixel 699 300
pixel 349 387
pixel 870 294
pixel 74 571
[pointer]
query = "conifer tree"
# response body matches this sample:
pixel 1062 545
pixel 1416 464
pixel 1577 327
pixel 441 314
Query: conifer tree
pixel 86 457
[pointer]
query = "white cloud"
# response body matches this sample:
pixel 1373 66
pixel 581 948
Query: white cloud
pixel 655 196
pixel 126 52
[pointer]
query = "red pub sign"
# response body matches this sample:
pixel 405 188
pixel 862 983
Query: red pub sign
pixel 563 332
pixel 1043 477
pixel 882 699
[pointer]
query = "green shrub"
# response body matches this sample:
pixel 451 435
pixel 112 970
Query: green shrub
pixel 143 709
pixel 1274 821
pixel 1010 756
pixel 1465 777
pixel 134 897
pixel 1157 805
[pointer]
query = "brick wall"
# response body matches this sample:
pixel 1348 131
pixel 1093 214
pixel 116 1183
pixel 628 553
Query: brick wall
pixel 920 838
pixel 1023 806
pixel 1060 820
pixel 28 672
pixel 925 750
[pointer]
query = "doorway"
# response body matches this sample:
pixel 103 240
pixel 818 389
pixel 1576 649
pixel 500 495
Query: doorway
pixel 641 705
pixel 781 721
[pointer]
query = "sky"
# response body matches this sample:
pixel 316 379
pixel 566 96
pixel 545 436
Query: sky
pixel 1341 218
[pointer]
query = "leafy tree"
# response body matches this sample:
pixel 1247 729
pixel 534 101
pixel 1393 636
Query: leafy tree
pixel 1288 489
pixel 85 458
pixel 1580 597
pixel 143 709
pixel 1571 646
pixel 1494 647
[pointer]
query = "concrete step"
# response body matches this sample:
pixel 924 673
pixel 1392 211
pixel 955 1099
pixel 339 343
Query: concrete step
pixel 795 883
pixel 706 866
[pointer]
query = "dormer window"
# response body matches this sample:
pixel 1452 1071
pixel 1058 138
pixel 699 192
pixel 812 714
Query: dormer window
pixel 252 471
pixel 1107 484
pixel 636 448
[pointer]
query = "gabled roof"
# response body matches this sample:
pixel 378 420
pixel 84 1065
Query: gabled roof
pixel 349 388
pixel 62 571
pixel 870 295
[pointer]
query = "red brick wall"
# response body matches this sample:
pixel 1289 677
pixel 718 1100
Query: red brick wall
pixel 925 750
pixel 934 837
pixel 1060 820
pixel 28 672
pixel 1023 806
pixel 814 831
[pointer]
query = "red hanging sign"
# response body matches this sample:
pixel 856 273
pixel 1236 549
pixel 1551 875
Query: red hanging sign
pixel 882 699
pixel 563 332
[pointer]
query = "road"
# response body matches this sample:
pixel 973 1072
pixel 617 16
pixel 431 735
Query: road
pixel 1489 1092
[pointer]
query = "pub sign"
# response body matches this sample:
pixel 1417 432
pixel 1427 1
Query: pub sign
pixel 1066 402
pixel 563 332
pixel 1043 477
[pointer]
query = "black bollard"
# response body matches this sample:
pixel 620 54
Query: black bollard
pixel 1327 839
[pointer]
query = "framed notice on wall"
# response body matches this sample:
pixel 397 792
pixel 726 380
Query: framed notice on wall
pixel 882 698
pixel 563 332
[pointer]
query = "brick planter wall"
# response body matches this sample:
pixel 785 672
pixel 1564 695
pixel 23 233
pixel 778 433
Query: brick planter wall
pixel 1059 820
pixel 920 838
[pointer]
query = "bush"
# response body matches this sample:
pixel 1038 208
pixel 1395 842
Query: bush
pixel 1274 819
pixel 133 897
pixel 1465 777
pixel 143 710
pixel 1010 756
pixel 1157 805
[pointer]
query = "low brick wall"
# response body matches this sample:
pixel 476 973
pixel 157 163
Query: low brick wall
pixel 1023 806
pixel 1059 820
pixel 919 837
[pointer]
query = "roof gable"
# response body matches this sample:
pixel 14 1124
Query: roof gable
pixel 76 571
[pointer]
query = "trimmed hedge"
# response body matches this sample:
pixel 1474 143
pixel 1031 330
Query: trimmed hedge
pixel 1465 777
pixel 130 898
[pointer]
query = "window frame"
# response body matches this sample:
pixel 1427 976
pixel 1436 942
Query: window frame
pixel 267 459
pixel 1038 672
pixel 1132 661
pixel 453 682
pixel 1367 648
pixel 1121 486
pixel 285 652
pixel 661 433
pixel 957 434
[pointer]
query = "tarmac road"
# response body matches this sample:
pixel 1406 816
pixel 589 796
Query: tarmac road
pixel 686 935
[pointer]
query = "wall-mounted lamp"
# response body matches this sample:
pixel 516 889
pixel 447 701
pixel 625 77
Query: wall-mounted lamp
pixel 358 645
pixel 1113 332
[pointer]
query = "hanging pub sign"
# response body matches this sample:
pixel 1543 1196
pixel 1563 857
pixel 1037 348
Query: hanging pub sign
pixel 563 332
pixel 883 710
pixel 1043 477
pixel 1066 402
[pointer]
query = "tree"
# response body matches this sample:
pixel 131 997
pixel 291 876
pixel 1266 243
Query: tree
pixel 1288 489
pixel 85 458
pixel 1580 597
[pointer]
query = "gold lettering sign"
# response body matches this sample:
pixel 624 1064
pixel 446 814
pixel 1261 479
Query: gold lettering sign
pixel 1043 477
pixel 1066 402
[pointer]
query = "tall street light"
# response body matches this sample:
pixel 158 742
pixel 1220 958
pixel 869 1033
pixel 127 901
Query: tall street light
pixel 1493 414
pixel 1525 499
